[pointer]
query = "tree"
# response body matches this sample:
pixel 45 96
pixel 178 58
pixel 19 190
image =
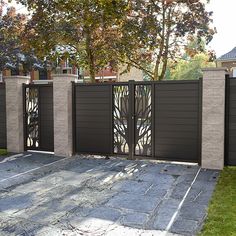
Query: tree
pixel 157 31
pixel 144 34
pixel 11 26
pixel 85 28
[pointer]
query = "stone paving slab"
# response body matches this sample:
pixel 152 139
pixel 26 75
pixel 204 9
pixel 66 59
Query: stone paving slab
pixel 92 196
pixel 130 201
pixel 135 219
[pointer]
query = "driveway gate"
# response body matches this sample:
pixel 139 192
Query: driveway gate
pixel 157 120
pixel 3 132
pixel 38 117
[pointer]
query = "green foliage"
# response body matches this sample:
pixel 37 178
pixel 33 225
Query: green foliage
pixel 12 55
pixel 222 211
pixel 191 69
pixel 3 152
pixel 11 26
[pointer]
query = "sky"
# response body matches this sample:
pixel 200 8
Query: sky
pixel 224 20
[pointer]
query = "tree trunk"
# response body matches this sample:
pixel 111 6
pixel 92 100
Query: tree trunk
pixel 91 60
pixel 162 44
pixel 156 71
pixel 167 41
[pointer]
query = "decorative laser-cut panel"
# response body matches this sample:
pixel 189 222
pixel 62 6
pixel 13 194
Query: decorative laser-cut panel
pixel 143 118
pixel 32 118
pixel 120 118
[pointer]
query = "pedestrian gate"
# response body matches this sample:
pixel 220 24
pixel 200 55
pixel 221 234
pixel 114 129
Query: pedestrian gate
pixel 38 117
pixel 157 120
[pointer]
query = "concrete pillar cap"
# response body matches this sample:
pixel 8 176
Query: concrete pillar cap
pixel 64 76
pixel 215 69
pixel 19 77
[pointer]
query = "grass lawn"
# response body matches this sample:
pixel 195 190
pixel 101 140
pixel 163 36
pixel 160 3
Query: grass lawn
pixel 3 152
pixel 221 218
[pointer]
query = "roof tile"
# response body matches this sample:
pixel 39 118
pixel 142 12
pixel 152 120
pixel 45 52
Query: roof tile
pixel 229 56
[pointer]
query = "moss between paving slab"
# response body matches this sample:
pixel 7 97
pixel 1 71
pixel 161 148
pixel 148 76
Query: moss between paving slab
pixel 3 152
pixel 221 218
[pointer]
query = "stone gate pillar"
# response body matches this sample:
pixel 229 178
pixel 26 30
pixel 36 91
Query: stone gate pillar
pixel 213 118
pixel 14 112
pixel 62 100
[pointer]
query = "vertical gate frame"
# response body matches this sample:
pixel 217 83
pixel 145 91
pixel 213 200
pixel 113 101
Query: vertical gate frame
pixel 24 116
pixel 131 128
pixel 112 116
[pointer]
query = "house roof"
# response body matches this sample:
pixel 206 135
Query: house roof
pixel 228 56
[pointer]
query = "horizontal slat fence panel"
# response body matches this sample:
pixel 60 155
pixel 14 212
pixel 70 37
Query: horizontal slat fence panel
pixel 46 118
pixel 93 119
pixel 231 122
pixel 177 117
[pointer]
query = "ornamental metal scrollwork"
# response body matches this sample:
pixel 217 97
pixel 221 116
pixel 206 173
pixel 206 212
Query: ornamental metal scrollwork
pixel 120 119
pixel 143 116
pixel 32 117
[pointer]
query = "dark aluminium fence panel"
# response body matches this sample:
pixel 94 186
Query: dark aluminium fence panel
pixel 93 118
pixel 230 134
pixel 177 118
pixel 3 133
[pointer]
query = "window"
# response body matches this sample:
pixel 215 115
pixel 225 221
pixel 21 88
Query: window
pixel 15 71
pixel 234 72
pixel 43 75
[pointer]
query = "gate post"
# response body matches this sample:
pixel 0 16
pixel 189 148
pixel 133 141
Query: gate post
pixel 14 112
pixel 213 118
pixel 62 105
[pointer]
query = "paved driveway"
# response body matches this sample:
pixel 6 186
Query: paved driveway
pixel 46 195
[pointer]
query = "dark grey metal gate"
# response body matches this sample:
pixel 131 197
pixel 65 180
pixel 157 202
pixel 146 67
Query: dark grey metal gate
pixel 230 129
pixel 38 117
pixel 3 133
pixel 157 120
